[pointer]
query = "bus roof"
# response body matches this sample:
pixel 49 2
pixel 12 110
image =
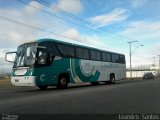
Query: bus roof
pixel 74 44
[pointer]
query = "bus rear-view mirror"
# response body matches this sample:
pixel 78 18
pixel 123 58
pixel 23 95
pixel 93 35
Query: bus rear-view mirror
pixel 10 56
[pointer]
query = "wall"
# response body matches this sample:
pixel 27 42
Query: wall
pixel 137 74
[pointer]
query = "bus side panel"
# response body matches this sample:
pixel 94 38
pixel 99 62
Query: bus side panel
pixel 84 70
pixel 48 75
pixel 118 69
pixel 92 71
pixel 79 71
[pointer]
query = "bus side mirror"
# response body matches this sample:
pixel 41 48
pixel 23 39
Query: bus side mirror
pixel 10 56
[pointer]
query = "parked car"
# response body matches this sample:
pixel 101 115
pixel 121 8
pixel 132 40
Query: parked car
pixel 148 75
pixel 158 75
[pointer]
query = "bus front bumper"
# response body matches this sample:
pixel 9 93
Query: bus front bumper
pixel 23 81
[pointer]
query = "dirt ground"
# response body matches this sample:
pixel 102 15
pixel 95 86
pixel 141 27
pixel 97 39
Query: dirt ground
pixel 5 82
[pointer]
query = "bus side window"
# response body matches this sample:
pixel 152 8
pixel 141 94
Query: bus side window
pixel 85 53
pixel 82 53
pixel 98 55
pixel 66 50
pixel 116 58
pixel 52 49
pixel 79 53
pixel 106 56
pixel 122 59
pixel 95 55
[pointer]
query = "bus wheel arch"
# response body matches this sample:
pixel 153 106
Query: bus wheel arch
pixel 63 80
pixel 112 78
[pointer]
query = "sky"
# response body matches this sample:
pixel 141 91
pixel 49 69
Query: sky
pixel 104 24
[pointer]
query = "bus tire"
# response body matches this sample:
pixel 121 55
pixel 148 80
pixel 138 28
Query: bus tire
pixel 44 87
pixel 94 83
pixel 62 82
pixel 112 79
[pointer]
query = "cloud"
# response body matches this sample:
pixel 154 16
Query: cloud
pixel 143 31
pixel 97 42
pixel 92 40
pixel 138 3
pixel 13 34
pixel 73 34
pixel 5 66
pixel 157 47
pixel 30 9
pixel 148 34
pixel 16 34
pixel 72 6
pixel 114 16
pixel 3 51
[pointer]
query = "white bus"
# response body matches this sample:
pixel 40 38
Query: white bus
pixel 49 62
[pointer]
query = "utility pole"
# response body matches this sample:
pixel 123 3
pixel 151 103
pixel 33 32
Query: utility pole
pixel 159 61
pixel 130 56
pixel 154 63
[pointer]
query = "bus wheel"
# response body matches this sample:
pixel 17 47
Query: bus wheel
pixel 94 83
pixel 112 79
pixel 62 82
pixel 44 87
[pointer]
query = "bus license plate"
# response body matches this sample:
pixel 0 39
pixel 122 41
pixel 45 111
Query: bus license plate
pixel 16 80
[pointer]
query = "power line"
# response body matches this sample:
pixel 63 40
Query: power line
pixel 82 20
pixel 75 17
pixel 104 33
pixel 64 12
pixel 78 18
pixel 58 16
pixel 33 27
pixel 146 58
pixel 150 49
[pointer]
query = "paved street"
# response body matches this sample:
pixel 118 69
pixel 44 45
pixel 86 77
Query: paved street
pixel 136 96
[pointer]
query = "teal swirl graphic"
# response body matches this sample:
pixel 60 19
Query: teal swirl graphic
pixel 80 76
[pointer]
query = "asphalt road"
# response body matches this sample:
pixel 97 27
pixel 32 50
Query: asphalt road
pixel 136 96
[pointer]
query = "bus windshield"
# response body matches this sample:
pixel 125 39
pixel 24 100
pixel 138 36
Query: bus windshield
pixel 26 55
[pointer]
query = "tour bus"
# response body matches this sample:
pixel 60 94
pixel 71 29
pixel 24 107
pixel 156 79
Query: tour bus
pixel 50 62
